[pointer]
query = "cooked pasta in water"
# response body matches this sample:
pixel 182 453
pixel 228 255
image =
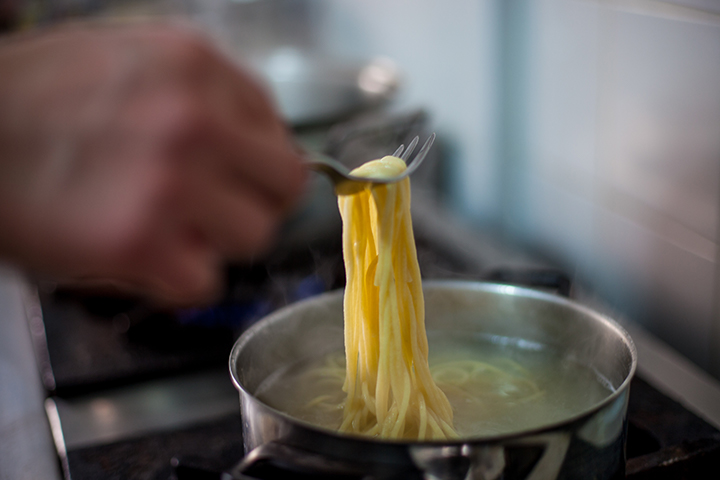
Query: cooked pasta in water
pixel 384 385
pixel 496 386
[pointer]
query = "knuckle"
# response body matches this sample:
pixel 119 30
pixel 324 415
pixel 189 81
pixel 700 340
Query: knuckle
pixel 187 119
pixel 188 48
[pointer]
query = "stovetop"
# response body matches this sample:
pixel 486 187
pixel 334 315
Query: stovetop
pixel 92 344
pixel 665 441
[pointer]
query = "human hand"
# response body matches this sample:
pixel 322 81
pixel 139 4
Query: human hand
pixel 137 154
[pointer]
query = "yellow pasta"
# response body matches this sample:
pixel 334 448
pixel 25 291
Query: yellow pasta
pixel 390 391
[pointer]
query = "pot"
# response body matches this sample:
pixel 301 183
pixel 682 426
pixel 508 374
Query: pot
pixel 587 445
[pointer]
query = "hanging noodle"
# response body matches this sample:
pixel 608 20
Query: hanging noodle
pixel 390 390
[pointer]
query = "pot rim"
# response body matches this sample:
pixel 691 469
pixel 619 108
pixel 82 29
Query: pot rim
pixel 500 288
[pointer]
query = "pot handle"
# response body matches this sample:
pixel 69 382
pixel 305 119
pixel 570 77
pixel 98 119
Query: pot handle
pixel 278 460
pixel 539 278
pixel 535 458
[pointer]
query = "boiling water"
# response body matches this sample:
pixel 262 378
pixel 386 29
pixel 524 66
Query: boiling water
pixel 496 385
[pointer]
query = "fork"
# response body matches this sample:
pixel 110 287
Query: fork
pixel 346 184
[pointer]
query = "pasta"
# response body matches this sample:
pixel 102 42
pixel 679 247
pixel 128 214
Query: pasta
pixel 485 395
pixel 383 386
pixel 390 390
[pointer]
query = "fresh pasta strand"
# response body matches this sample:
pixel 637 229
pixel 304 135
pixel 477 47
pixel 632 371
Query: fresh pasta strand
pixel 390 390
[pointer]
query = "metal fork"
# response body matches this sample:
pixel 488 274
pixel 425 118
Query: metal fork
pixel 347 184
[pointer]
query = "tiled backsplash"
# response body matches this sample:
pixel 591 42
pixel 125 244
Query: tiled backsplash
pixel 623 166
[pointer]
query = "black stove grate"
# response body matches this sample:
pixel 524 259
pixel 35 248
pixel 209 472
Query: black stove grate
pixel 666 441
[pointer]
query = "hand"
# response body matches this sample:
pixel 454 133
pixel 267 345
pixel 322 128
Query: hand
pixel 140 154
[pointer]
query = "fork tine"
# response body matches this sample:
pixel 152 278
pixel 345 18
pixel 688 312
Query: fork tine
pixel 347 184
pixel 421 154
pixel 410 149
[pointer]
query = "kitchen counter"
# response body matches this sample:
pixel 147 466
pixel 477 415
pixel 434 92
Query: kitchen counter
pixel 26 447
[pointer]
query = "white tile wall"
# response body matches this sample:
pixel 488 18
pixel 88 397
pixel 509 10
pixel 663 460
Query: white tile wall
pixel 663 116
pixel 707 5
pixel 622 177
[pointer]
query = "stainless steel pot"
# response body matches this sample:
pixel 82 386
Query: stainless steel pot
pixel 588 445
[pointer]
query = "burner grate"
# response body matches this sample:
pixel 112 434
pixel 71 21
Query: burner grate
pixel 665 440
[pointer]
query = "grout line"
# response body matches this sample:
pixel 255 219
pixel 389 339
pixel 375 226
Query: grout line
pixel 661 9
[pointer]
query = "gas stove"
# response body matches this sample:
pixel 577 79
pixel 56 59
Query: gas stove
pixel 665 441
pixel 135 392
